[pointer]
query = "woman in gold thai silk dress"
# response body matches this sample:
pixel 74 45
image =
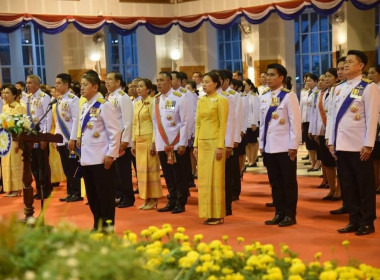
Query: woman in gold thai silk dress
pixel 143 147
pixel 12 164
pixel 209 148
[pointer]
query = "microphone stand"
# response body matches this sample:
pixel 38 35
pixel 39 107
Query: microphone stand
pixel 36 129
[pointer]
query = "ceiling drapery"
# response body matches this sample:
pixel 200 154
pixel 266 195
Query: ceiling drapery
pixel 53 24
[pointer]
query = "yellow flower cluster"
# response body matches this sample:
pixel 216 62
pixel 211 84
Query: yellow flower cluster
pixel 216 260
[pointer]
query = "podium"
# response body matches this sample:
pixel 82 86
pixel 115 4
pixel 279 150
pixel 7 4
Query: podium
pixel 28 140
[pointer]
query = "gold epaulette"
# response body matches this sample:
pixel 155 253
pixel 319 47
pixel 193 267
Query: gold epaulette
pixel 29 95
pixel 157 94
pixel 253 93
pixel 366 80
pixel 267 89
pixel 121 92
pixel 101 100
pixel 41 94
pixel 176 93
pixel 231 91
pixel 286 90
pixel 71 95
pixel 225 93
pixel 341 82
pixel 244 94
pixel 183 90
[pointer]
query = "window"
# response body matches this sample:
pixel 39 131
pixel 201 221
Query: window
pixel 313 43
pixel 33 55
pixel 123 54
pixel 5 59
pixel 229 48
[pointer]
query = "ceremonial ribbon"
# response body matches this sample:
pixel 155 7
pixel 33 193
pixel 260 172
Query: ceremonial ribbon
pixel 268 116
pixel 320 107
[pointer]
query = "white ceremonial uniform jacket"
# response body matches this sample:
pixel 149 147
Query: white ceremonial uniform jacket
pixel 101 136
pixel 324 98
pixel 313 111
pixel 245 100
pixel 124 113
pixel 303 103
pixel 190 111
pixel 254 109
pixel 357 127
pixel 231 120
pixel 1 104
pixel 284 132
pixel 68 110
pixel 38 104
pixel 262 89
pixel 24 97
pixel 173 112
pixel 239 117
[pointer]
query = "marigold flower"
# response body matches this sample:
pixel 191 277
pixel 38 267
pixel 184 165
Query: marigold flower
pixel 297 268
pixel 345 243
pixel 198 238
pixel 240 239
pixel 328 275
pixel 317 255
pixel 145 233
pixel 181 229
pixel 227 270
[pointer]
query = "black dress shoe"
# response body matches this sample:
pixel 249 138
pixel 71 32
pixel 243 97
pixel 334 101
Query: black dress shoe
pixel 269 204
pixel 336 198
pixel 63 199
pixel 305 158
pixel 235 198
pixel 168 207
pixel 124 204
pixel 228 212
pixel 178 209
pixel 74 198
pixel 327 197
pixel 117 201
pixel 341 210
pixel 349 228
pixel 364 230
pixel 307 163
pixel 287 221
pixel 322 186
pixel 136 191
pixel 192 185
pixel 37 196
pixel 275 221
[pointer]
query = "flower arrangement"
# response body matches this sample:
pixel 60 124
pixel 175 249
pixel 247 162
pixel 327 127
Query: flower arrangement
pixel 15 124
pixel 64 252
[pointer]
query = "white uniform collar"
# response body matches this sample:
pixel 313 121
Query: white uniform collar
pixel 168 93
pixel 277 91
pixel 355 80
pixel 37 92
pixel 65 94
pixel 115 91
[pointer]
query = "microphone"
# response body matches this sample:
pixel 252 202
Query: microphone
pixel 55 100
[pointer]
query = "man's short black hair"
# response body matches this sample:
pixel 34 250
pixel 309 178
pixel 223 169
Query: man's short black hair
pixel 118 76
pixel 340 59
pixel 313 77
pixel 66 78
pixel 226 74
pixel 167 74
pixel 280 69
pixel 359 54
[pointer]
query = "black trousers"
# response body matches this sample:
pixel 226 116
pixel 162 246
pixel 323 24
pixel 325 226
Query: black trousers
pixel 69 166
pixel 175 178
pixel 189 171
pixel 100 193
pixel 228 183
pixel 236 182
pixel 357 183
pixel 41 170
pixel 282 174
pixel 123 178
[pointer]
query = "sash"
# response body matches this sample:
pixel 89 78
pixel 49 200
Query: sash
pixel 320 107
pixel 28 112
pixel 62 125
pixel 169 148
pixel 268 116
pixel 359 89
pixel 87 117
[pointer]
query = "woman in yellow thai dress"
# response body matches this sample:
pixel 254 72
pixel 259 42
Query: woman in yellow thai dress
pixel 143 147
pixel 209 149
pixel 12 164
pixel 57 173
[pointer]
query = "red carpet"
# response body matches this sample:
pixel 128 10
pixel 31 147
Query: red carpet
pixel 315 231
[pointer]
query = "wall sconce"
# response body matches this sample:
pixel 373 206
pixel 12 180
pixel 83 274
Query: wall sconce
pixel 175 54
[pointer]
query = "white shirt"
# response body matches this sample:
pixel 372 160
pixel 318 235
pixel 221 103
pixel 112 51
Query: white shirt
pixel 102 134
pixel 173 113
pixel 357 127
pixel 68 111
pixel 303 103
pixel 284 132
pixel 38 104
pixel 124 113
pixel 231 120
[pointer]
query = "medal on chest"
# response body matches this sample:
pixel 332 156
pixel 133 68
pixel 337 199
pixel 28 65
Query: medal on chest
pixel 94 112
pixel 275 101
